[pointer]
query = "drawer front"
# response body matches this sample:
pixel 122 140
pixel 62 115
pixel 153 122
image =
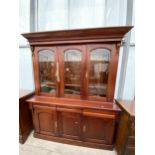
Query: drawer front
pixel 99 113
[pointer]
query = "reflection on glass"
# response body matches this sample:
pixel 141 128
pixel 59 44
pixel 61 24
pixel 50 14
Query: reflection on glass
pixel 46 71
pixel 72 72
pixel 98 73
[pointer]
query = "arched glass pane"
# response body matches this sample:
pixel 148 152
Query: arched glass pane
pixel 72 72
pixel 98 72
pixel 46 71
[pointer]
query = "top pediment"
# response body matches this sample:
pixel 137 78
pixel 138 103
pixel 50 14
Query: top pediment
pixel 104 34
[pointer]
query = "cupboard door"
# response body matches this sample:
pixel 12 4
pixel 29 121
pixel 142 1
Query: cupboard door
pixel 98 130
pixel 72 71
pixel 99 73
pixel 69 125
pixel 47 73
pixel 45 121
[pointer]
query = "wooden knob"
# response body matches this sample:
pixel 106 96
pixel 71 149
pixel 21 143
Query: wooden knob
pixel 76 122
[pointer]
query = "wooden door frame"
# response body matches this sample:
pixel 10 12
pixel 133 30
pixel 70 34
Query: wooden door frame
pixel 112 70
pixel 37 49
pixel 61 50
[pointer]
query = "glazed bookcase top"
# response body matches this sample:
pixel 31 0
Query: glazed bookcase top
pixel 96 61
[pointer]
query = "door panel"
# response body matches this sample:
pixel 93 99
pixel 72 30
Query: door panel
pixel 47 70
pixel 45 120
pixel 99 64
pixel 72 70
pixel 98 72
pixel 70 125
pixel 98 130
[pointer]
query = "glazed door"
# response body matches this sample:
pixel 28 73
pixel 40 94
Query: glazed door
pixel 98 130
pixel 72 61
pixel 45 121
pixel 46 71
pixel 69 123
pixel 100 72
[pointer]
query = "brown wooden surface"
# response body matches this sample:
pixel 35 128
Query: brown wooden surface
pixel 74 122
pixel 104 130
pixel 36 70
pixel 61 51
pixel 69 118
pixel 45 120
pixel 111 71
pixel 70 125
pixel 25 118
pixel 77 121
pixel 125 138
pixel 74 142
pixel 107 34
pixel 85 65
pixel 74 103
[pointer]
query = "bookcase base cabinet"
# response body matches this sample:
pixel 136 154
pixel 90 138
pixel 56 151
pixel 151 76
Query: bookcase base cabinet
pixel 77 126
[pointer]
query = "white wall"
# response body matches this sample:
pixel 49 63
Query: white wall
pixel 25 69
pixel 25 59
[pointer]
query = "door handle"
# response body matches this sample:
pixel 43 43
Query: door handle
pixel 56 125
pixel 57 72
pixel 84 128
pixel 86 75
pixel 76 122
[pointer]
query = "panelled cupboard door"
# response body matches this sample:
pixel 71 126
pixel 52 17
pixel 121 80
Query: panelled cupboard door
pixel 69 124
pixel 98 130
pixel 72 64
pixel 45 121
pixel 46 71
pixel 100 71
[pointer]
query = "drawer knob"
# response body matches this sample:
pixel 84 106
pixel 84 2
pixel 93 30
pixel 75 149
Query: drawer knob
pixel 55 124
pixel 84 128
pixel 76 122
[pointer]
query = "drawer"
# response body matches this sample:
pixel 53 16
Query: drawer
pixel 41 107
pixel 72 110
pixel 99 113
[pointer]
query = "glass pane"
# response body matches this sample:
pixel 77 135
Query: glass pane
pixel 46 71
pixel 72 72
pixel 98 76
